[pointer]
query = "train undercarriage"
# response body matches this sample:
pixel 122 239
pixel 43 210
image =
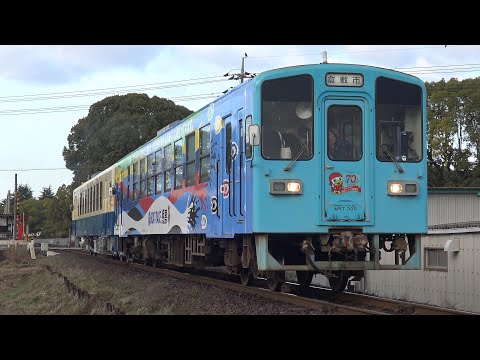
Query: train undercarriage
pixel 340 255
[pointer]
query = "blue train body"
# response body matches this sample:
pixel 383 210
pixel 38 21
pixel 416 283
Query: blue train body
pixel 314 169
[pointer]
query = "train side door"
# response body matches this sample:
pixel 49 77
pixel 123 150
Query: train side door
pixel 226 182
pixel 345 186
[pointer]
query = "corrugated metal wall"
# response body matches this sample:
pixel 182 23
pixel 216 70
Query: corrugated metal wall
pixel 458 288
pixel 453 208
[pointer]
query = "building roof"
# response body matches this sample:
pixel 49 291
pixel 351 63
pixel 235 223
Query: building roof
pixel 454 190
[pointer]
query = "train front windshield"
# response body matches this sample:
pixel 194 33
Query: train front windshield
pixel 398 121
pixel 287 118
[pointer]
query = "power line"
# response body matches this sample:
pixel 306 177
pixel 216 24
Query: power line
pixel 91 92
pixel 30 111
pixel 348 52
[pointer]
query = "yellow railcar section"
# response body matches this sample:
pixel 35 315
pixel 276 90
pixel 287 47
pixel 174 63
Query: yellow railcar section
pixel 95 196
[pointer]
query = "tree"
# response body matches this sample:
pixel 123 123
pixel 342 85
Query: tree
pixel 47 193
pixel 25 192
pixel 114 127
pixel 453 132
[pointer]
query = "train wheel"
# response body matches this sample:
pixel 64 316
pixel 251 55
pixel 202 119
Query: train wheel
pixel 274 281
pixel 338 284
pixel 246 276
pixel 304 278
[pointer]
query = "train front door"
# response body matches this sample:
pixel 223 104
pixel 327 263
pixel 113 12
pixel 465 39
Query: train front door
pixel 346 190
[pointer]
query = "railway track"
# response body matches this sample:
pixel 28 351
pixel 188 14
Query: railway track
pixel 316 298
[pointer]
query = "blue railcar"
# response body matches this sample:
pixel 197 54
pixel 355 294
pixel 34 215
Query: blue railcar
pixel 93 216
pixel 314 169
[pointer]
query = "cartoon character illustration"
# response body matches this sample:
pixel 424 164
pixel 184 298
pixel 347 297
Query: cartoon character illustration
pixel 336 182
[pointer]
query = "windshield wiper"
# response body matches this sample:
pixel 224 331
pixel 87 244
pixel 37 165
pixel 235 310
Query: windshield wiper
pixel 384 147
pixel 289 166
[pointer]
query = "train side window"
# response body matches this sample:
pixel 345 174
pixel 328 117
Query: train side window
pixel 158 171
pixel 167 165
pixel 248 146
pixel 143 181
pixel 128 183
pixel 135 181
pixel 178 163
pixel 101 194
pixel 205 154
pixel 242 137
pixel 190 160
pixel 97 196
pixel 89 199
pixel 150 173
pixel 228 147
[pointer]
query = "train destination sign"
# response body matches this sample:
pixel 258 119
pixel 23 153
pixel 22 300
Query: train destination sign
pixel 339 79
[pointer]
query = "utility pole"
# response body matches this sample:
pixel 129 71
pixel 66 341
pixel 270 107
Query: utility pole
pixel 240 76
pixel 15 210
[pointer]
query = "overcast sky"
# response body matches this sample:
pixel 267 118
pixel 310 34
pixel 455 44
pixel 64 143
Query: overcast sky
pixel 45 90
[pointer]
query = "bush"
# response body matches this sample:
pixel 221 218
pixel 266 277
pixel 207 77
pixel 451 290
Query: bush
pixel 16 255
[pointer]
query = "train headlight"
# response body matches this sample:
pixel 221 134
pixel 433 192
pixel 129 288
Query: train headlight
pixel 294 187
pixel 395 188
pixel 402 188
pixel 286 187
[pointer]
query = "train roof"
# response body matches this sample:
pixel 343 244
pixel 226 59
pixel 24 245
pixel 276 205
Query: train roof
pixel 95 176
pixel 259 77
pixel 334 66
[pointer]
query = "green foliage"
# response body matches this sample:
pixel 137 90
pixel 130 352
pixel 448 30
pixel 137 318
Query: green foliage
pixel 453 132
pixel 50 216
pixel 114 127
pixel 47 193
pixel 25 192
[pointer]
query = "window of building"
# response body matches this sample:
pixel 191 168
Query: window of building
pixel 436 259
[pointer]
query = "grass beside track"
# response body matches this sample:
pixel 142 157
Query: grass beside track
pixel 27 288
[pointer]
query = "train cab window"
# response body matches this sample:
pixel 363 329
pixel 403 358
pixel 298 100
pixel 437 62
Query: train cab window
pixel 344 128
pixel 158 171
pixel 287 118
pixel 167 165
pixel 190 160
pixel 398 120
pixel 178 163
pixel 205 154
